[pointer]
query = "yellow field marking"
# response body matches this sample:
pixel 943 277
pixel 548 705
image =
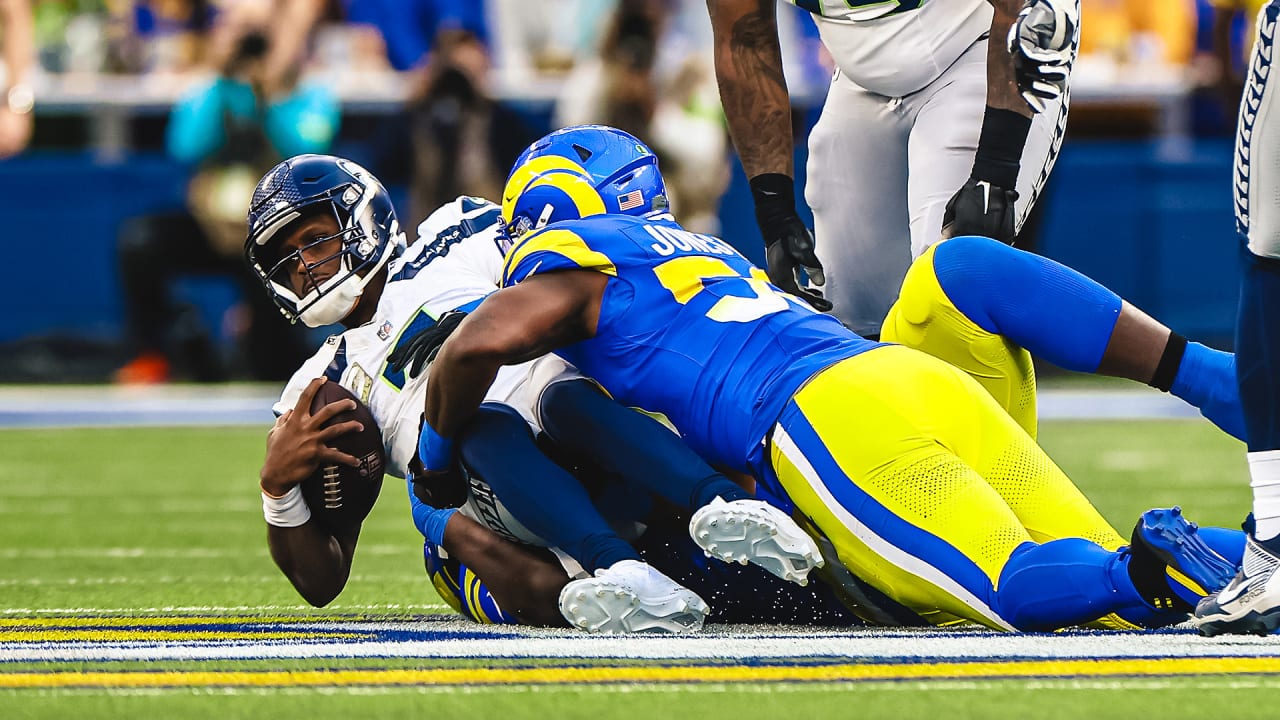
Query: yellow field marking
pixel 685 674
pixel 100 622
pixel 36 630
pixel 89 635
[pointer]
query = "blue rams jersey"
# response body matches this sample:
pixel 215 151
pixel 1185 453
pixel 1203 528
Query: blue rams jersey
pixel 688 328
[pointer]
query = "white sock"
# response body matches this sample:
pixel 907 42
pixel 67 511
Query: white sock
pixel 1264 474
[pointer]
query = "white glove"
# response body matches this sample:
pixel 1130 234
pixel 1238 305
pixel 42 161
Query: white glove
pixel 1042 43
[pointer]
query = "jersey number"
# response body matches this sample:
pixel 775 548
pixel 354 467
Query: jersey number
pixel 686 276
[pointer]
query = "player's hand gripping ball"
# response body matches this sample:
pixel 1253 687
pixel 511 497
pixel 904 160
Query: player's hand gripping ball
pixel 340 496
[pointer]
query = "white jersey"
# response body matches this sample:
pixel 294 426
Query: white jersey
pixel 455 263
pixel 898 47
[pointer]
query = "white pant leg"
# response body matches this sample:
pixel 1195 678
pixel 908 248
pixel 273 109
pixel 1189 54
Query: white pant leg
pixel 1257 164
pixel 857 188
pixel 945 140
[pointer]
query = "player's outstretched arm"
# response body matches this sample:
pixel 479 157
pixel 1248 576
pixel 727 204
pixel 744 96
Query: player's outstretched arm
pixel 1002 85
pixel 1028 58
pixel 753 90
pixel 984 205
pixel 519 323
pixel 315 561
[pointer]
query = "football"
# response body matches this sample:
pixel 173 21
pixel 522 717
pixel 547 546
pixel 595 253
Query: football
pixel 340 496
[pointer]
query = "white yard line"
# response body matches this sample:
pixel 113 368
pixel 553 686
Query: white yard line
pixel 107 406
pixel 456 639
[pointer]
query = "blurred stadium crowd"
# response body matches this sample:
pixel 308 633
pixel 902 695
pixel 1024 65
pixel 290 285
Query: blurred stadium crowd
pixel 437 97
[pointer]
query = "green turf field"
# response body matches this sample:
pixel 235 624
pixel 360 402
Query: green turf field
pixel 158 523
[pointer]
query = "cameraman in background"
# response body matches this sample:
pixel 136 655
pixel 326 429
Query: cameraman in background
pixel 653 76
pixel 232 127
pixel 460 140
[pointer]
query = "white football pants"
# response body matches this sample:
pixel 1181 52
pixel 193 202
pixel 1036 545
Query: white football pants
pixel 1257 163
pixel 882 169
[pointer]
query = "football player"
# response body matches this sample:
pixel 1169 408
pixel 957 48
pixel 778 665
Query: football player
pixel 325 241
pixel 1251 602
pixel 927 97
pixel 913 474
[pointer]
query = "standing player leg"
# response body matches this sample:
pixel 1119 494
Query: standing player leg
pixel 1251 602
pixel 857 188
pixel 944 138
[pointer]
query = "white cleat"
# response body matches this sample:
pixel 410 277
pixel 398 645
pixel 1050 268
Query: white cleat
pixel 753 531
pixel 630 596
pixel 1250 603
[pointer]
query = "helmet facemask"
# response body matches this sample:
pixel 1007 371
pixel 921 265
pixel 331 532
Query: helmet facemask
pixel 364 247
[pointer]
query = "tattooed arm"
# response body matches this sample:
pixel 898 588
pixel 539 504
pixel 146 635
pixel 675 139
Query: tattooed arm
pixel 754 93
pixel 1002 89
pixel 758 108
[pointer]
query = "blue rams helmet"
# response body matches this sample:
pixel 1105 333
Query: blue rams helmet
pixel 581 171
pixel 369 231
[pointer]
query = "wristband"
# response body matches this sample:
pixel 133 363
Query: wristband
pixel 775 198
pixel 432 523
pixel 435 450
pixel 288 510
pixel 1004 135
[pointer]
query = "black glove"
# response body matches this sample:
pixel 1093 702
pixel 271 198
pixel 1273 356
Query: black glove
pixel 788 243
pixel 418 351
pixel 440 490
pixel 980 208
pixel 1042 43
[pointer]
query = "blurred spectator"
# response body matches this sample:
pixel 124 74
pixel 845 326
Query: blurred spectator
pixel 652 75
pixel 533 40
pixel 19 55
pixel 233 126
pixel 1233 34
pixel 461 140
pixel 1138 32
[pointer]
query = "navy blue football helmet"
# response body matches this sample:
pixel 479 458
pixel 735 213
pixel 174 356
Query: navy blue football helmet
pixel 581 171
pixel 369 231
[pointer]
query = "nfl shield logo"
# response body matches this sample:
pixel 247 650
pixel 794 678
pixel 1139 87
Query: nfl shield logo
pixel 384 331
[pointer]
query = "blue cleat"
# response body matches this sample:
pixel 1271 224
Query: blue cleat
pixel 1165 546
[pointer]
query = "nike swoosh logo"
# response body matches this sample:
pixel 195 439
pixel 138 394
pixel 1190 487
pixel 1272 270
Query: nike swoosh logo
pixel 1232 591
pixel 986 196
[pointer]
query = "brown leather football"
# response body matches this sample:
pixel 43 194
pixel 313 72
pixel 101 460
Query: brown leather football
pixel 340 496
